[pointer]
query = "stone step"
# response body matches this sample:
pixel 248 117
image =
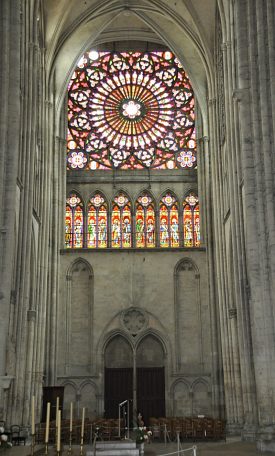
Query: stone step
pixel 116 444
pixel 113 452
pixel 114 448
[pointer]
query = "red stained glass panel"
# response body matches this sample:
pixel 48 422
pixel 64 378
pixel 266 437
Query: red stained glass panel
pixel 150 227
pixel 174 226
pixel 78 228
pixel 116 227
pixel 68 228
pixel 164 240
pixel 102 227
pixel 140 224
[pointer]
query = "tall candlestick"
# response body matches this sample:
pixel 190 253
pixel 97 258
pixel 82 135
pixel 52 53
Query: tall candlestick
pixel 33 425
pixel 58 430
pixel 71 417
pixel 47 422
pixel 56 411
pixel 82 424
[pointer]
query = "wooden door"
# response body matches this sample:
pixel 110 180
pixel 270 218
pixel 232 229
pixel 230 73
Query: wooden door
pixel 118 388
pixel 151 392
pixel 50 394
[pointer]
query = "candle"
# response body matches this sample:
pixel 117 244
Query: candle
pixel 58 430
pixel 83 419
pixel 33 426
pixel 47 422
pixel 56 411
pixel 71 417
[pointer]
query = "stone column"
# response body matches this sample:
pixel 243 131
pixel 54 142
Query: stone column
pixel 9 158
pixel 255 63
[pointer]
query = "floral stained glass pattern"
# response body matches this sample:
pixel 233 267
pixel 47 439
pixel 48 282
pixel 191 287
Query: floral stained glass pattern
pixel 97 222
pixel 121 222
pixel 169 222
pixel 74 222
pixel 191 221
pixel 130 110
pixel 145 222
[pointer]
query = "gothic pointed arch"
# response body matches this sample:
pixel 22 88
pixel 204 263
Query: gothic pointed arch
pixel 201 397
pixel 188 322
pixel 182 399
pixel 77 321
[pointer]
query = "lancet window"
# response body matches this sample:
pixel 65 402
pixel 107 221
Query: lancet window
pixel 169 222
pixel 97 222
pixel 191 221
pixel 74 222
pixel 145 221
pixel 121 222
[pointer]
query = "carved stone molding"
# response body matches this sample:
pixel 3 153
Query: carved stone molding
pixel 186 266
pixel 134 320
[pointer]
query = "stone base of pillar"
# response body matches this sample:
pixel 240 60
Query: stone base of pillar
pixel 249 433
pixel 266 438
pixel 233 429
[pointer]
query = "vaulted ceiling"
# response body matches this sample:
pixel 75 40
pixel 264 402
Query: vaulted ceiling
pixel 186 27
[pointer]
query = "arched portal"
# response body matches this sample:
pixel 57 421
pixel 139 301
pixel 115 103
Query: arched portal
pixel 150 378
pixel 118 375
pixel 134 373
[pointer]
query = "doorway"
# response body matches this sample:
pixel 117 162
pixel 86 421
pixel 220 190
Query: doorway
pixel 137 374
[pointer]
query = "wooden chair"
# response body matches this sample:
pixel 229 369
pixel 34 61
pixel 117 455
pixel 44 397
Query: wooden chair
pixel 176 428
pixel 189 428
pixel 209 428
pixel 16 436
pixel 155 428
pixel 198 428
pixel 219 430
pixel 105 430
pixel 166 426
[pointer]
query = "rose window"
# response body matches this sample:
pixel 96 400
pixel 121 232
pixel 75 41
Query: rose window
pixel 130 110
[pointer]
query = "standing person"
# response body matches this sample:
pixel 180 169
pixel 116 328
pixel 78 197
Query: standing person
pixel 140 422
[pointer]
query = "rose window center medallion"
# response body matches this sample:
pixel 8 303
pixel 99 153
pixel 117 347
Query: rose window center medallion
pixel 131 109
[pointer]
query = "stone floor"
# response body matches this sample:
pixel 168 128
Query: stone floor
pixel 232 447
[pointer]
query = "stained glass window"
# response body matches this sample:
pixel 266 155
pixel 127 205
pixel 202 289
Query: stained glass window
pixel 97 222
pixel 74 222
pixel 169 222
pixel 191 221
pixel 130 110
pixel 121 222
pixel 145 221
